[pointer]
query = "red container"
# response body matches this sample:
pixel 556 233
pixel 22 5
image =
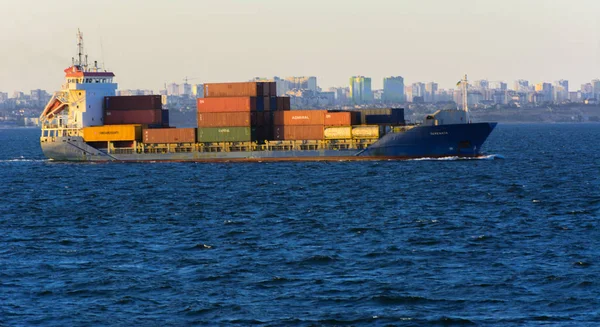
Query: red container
pixel 299 117
pixel 343 118
pixel 287 105
pixel 121 117
pixel 226 119
pixel 228 104
pixel 169 135
pixel 280 104
pixel 298 132
pixel 245 89
pixel 133 102
pixel 272 89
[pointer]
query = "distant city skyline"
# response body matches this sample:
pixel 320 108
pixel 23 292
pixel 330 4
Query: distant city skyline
pixel 234 40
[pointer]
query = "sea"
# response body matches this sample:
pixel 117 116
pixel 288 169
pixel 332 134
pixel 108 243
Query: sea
pixel 510 239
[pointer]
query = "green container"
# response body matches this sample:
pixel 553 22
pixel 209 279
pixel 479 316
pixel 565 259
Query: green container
pixel 225 134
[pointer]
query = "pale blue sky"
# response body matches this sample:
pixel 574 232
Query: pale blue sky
pixel 147 42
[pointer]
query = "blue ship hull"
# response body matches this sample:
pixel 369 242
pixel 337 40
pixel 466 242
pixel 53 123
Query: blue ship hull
pixel 433 141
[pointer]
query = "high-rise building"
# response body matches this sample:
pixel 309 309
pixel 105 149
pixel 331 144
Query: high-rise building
pixel 430 91
pixel 587 91
pixel 360 90
pixel 498 85
pixel 198 90
pixel 393 89
pixel 418 90
pixel 561 91
pixel 481 84
pixel 596 87
pixel 303 83
pixel 173 89
pixel 521 85
pixel 544 90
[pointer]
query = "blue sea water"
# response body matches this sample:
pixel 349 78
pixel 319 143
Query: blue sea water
pixel 510 240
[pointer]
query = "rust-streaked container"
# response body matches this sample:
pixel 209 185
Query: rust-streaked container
pixel 365 132
pixel 343 118
pixel 121 117
pixel 169 135
pixel 338 133
pixel 230 119
pixel 298 132
pixel 229 104
pixel 133 102
pixel 112 133
pixel 243 89
pixel 299 117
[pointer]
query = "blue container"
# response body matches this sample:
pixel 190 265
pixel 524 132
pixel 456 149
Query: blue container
pixel 260 103
pixel 165 117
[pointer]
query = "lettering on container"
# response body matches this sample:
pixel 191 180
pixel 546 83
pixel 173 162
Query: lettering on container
pixel 300 117
pixel 438 133
pixel 108 133
pixel 224 130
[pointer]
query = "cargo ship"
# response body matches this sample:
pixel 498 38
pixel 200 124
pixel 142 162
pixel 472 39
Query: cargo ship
pixel 247 121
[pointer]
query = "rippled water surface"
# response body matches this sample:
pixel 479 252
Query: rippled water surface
pixel 511 240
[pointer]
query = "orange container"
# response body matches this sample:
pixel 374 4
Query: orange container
pixel 169 135
pixel 244 89
pixel 344 118
pixel 226 119
pixel 227 104
pixel 112 133
pixel 299 117
pixel 298 132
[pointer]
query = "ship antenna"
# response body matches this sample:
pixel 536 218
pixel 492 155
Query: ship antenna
pixel 465 98
pixel 465 95
pixel 79 47
pixel 102 54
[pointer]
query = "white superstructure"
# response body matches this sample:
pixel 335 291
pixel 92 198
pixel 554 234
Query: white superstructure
pixel 80 101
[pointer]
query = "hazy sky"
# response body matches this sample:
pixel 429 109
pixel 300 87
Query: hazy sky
pixel 149 42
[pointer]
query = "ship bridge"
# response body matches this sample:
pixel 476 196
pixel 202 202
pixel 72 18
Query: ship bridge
pixel 79 103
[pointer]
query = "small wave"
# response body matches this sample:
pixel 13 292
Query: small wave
pixel 397 299
pixel 317 259
pixel 201 247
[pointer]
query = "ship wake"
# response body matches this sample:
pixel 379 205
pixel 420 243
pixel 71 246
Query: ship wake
pixel 456 158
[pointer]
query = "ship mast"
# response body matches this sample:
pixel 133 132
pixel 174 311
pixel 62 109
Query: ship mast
pixel 465 97
pixel 80 62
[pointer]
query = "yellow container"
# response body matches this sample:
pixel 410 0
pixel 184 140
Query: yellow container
pixel 365 132
pixel 338 133
pixel 112 133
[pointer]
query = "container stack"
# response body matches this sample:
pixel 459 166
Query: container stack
pixel 386 116
pixel 137 109
pixel 299 124
pixel 312 124
pixel 238 112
